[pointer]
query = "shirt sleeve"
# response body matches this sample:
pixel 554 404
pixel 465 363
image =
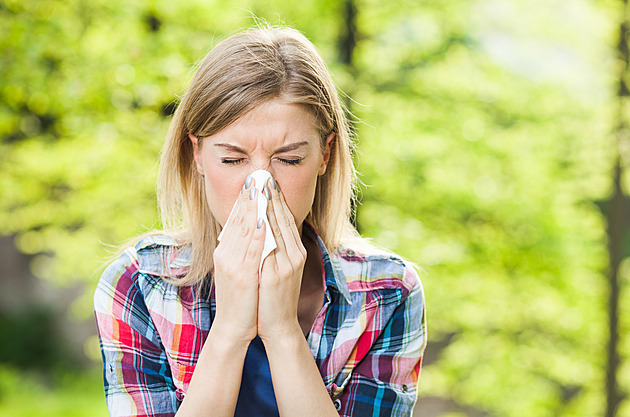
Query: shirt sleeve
pixel 137 377
pixel 384 382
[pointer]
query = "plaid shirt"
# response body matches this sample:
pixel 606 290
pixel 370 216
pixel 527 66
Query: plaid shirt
pixel 367 340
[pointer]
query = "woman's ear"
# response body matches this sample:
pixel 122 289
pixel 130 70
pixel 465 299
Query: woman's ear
pixel 330 140
pixel 196 151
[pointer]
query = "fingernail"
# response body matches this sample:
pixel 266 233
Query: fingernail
pixel 275 184
pixel 260 223
pixel 252 193
pixel 248 181
pixel 267 192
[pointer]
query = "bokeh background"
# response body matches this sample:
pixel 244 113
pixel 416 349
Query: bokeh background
pixel 492 142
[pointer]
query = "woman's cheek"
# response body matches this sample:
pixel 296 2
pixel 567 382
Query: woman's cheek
pixel 222 193
pixel 299 197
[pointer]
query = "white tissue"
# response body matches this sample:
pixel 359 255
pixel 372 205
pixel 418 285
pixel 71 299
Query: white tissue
pixel 260 178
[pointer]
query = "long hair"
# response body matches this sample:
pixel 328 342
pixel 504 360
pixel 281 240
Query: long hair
pixel 238 74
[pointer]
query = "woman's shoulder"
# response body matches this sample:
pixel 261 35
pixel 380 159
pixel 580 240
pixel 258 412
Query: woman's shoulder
pixel 163 255
pixel 369 267
pixel 155 255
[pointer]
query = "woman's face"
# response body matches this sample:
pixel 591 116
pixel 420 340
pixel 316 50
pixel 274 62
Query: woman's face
pixel 277 137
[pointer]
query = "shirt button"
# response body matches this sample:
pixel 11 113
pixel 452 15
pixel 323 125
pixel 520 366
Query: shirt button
pixel 337 403
pixel 405 388
pixel 350 253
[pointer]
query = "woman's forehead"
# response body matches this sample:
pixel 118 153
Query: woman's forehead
pixel 270 125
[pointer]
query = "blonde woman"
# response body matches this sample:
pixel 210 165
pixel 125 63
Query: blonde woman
pixel 324 324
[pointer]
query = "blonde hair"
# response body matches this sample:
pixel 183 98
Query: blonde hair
pixel 240 73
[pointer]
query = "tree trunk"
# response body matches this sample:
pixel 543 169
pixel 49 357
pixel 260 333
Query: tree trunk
pixel 617 220
pixel 347 44
pixel 617 229
pixel 348 39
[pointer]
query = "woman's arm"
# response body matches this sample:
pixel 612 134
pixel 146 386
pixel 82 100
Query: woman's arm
pixel 297 383
pixel 216 381
pixel 388 357
pixel 138 380
pixel 137 376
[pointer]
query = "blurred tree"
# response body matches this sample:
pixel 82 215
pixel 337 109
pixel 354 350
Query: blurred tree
pixel 482 170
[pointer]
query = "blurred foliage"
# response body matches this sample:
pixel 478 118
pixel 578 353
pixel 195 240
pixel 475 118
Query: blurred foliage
pixel 26 331
pixel 484 146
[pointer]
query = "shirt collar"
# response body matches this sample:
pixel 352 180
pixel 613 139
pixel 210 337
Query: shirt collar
pixel 335 277
pixel 161 254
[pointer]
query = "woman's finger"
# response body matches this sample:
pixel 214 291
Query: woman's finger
pixel 254 250
pixel 241 223
pixel 286 223
pixel 273 222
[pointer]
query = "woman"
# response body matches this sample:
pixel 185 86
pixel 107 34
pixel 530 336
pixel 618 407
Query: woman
pixel 325 324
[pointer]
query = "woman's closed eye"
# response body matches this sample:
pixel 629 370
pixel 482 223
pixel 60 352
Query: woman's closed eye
pixel 290 161
pixel 232 161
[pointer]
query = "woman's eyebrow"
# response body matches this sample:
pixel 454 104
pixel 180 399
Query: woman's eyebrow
pixel 230 147
pixel 291 147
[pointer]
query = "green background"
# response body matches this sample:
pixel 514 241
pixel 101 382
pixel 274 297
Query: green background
pixel 485 142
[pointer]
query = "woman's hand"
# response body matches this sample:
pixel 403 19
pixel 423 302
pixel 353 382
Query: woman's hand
pixel 297 382
pixel 217 378
pixel 281 275
pixel 236 263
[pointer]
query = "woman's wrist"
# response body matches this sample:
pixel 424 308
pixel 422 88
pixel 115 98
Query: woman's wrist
pixel 231 336
pixel 284 338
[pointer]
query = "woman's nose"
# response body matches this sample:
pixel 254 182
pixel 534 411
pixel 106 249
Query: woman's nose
pixel 264 165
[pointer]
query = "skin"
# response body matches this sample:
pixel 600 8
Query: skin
pixel 280 305
pixel 277 137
